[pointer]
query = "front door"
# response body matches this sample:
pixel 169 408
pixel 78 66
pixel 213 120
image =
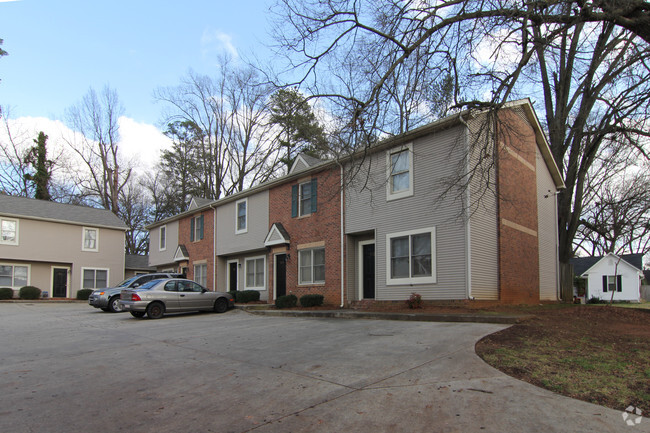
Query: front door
pixel 232 276
pixel 368 270
pixel 280 275
pixel 59 282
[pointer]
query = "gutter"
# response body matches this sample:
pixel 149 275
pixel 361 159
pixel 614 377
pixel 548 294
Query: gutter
pixel 342 225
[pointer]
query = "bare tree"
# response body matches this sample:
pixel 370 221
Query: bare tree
pixel 135 212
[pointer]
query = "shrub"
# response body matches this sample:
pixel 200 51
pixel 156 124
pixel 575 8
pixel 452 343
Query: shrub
pixel 234 294
pixel 245 296
pixel 414 301
pixel 596 300
pixel 313 300
pixel 6 293
pixel 286 301
pixel 83 294
pixel 29 292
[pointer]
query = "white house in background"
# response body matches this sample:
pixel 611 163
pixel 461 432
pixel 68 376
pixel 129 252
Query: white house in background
pixel 611 274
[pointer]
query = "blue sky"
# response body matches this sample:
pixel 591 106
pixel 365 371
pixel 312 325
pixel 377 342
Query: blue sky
pixel 59 49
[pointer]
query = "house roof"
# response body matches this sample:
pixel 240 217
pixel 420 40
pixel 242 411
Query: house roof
pixel 199 202
pixel 582 264
pixel 137 262
pixel 21 207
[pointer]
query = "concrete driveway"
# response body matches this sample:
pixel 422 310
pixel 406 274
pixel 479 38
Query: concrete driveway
pixel 71 368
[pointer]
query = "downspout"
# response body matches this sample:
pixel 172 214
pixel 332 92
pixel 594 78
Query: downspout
pixel 342 225
pixel 558 281
pixel 468 231
pixel 214 250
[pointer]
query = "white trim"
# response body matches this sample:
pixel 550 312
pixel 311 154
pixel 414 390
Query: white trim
pixel 408 192
pixel 281 241
pixel 23 265
pixel 83 239
pixel 17 240
pixel 412 280
pixel 255 258
pixel 160 230
pixel 239 231
pixel 108 275
pixel 67 282
pixel 360 266
pixel 228 262
pixel 311 197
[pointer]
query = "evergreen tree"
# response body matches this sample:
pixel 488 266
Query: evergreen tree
pixel 37 158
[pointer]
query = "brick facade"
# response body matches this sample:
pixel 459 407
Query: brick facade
pixel 517 204
pixel 199 251
pixel 322 228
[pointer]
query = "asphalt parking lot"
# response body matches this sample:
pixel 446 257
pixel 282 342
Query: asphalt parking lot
pixel 70 368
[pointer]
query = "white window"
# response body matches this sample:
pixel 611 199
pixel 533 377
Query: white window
pixel 90 239
pixel 241 219
pixel 8 231
pixel 305 198
pixel 14 276
pixel 311 266
pixel 201 274
pixel 162 245
pixel 399 164
pixel 196 228
pixel 411 257
pixel 255 273
pixel 94 278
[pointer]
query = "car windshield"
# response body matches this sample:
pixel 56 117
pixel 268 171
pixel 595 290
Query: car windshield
pixel 127 282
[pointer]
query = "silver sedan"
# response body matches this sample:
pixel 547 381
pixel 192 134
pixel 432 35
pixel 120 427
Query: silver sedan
pixel 173 295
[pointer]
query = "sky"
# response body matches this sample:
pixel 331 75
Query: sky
pixel 58 50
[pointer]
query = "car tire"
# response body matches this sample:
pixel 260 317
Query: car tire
pixel 220 305
pixel 137 314
pixel 155 310
pixel 114 305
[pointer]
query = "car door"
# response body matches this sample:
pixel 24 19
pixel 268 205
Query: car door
pixel 191 296
pixel 169 296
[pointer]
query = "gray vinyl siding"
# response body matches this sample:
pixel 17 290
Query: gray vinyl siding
pixel 165 257
pixel 436 158
pixel 482 204
pixel 228 241
pixel 547 232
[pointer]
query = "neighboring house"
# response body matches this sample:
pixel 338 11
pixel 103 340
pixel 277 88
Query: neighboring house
pixel 611 275
pixel 59 248
pixel 135 264
pixel 163 245
pixel 195 251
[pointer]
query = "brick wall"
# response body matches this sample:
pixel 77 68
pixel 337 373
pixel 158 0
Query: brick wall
pixel 517 187
pixel 201 251
pixel 320 227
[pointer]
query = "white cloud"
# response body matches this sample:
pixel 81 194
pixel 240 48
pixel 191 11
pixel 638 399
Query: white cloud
pixel 142 141
pixel 215 41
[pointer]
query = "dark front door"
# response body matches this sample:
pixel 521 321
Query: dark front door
pixel 280 275
pixel 60 283
pixel 368 276
pixel 232 276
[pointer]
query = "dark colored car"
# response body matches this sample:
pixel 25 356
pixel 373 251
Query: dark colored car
pixel 108 299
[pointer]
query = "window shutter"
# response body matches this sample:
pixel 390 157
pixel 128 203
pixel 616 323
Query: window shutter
pixel 294 201
pixel 201 227
pixel 619 283
pixel 192 230
pixel 314 196
pixel 604 283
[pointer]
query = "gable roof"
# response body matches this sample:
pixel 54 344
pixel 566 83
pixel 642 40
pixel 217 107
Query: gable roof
pixel 582 264
pixel 21 207
pixel 181 254
pixel 304 162
pixel 277 235
pixel 199 202
pixel 137 262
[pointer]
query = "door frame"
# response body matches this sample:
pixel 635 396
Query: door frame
pixel 275 272
pixel 67 280
pixel 228 263
pixel 360 246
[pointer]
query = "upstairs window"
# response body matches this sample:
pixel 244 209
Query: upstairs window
pixel 399 164
pixel 241 219
pixel 163 238
pixel 8 231
pixel 304 198
pixel 90 239
pixel 196 228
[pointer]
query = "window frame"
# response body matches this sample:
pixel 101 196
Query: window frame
pixel 432 279
pixel 204 278
pixel 83 270
pixel 15 241
pixel 254 259
pixel 83 239
pixel 244 229
pixel 395 195
pixel 301 208
pixel 197 231
pixel 617 283
pixel 312 281
pixel 13 266
pixel 162 239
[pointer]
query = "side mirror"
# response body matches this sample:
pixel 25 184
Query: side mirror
pixel 204 290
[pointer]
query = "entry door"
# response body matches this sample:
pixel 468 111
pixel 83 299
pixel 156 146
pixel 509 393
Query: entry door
pixel 368 270
pixel 59 282
pixel 232 276
pixel 280 275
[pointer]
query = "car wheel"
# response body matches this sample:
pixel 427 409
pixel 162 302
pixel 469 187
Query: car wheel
pixel 221 305
pixel 137 314
pixel 155 310
pixel 114 305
